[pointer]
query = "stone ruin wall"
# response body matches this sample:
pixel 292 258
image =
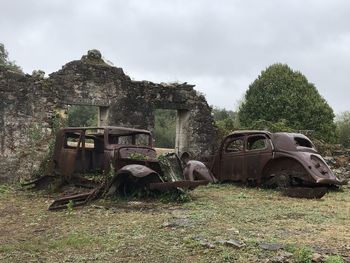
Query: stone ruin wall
pixel 30 107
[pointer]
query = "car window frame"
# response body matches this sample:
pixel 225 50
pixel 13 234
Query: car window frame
pixel 230 140
pixel 257 150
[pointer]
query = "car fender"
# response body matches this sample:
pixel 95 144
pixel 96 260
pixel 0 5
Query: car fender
pixel 136 170
pixel 136 173
pixel 196 170
pixel 304 160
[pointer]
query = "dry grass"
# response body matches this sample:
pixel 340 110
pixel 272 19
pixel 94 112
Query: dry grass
pixel 135 231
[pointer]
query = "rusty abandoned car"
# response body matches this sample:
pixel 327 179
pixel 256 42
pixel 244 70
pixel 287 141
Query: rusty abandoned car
pixel 122 161
pixel 288 161
pixel 126 159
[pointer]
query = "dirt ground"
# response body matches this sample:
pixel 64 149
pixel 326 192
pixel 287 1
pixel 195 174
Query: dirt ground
pixel 222 223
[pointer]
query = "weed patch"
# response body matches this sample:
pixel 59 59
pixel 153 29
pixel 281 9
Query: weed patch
pixel 334 259
pixel 303 255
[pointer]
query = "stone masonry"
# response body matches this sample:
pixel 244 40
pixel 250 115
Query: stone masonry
pixel 30 107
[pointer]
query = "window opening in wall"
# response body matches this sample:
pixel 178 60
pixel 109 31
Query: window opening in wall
pixel 82 116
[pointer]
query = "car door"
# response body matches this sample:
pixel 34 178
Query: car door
pixel 68 154
pixel 232 158
pixel 258 151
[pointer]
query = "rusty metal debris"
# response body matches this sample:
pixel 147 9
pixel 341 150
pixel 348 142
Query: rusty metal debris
pixel 115 161
pixel 288 161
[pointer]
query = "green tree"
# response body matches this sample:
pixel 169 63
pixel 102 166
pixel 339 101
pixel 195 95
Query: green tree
pixel 281 95
pixel 226 120
pixel 4 60
pixel 343 126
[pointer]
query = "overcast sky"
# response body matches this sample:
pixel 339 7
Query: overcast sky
pixel 220 46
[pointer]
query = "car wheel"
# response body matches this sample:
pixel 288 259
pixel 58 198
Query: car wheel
pixel 283 180
pixel 279 179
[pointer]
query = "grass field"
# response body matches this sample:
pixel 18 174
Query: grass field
pixel 157 231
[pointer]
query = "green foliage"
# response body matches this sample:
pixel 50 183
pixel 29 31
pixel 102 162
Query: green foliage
pixel 280 126
pixel 334 259
pixel 165 128
pixel 70 206
pixel 138 156
pixel 5 189
pixel 343 126
pixel 82 116
pixel 242 195
pixel 35 133
pixel 4 60
pixel 163 161
pixel 281 95
pixel 303 255
pixel 226 121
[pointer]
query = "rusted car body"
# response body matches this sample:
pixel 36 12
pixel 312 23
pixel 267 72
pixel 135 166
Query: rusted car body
pixel 115 160
pixel 272 159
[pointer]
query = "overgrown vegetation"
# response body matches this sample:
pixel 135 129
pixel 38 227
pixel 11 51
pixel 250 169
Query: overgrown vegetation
pixel 283 98
pixel 138 156
pixel 36 136
pixel 343 126
pixel 6 62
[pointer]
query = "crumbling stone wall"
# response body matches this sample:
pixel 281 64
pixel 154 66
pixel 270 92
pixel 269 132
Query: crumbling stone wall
pixel 30 105
pixel 26 108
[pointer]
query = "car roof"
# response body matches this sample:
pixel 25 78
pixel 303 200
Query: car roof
pixel 116 128
pixel 248 132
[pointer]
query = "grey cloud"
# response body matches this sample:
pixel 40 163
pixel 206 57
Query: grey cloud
pixel 221 46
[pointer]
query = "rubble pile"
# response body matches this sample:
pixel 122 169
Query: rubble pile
pixel 336 156
pixel 340 164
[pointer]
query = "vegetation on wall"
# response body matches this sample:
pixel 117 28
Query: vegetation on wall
pixel 285 97
pixel 6 62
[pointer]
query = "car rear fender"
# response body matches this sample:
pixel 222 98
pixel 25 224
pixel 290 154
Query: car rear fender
pixel 287 163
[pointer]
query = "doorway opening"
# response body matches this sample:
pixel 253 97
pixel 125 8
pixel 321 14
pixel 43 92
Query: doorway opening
pixel 165 128
pixel 171 129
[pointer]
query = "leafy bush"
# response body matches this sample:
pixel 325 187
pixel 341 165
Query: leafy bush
pixel 281 95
